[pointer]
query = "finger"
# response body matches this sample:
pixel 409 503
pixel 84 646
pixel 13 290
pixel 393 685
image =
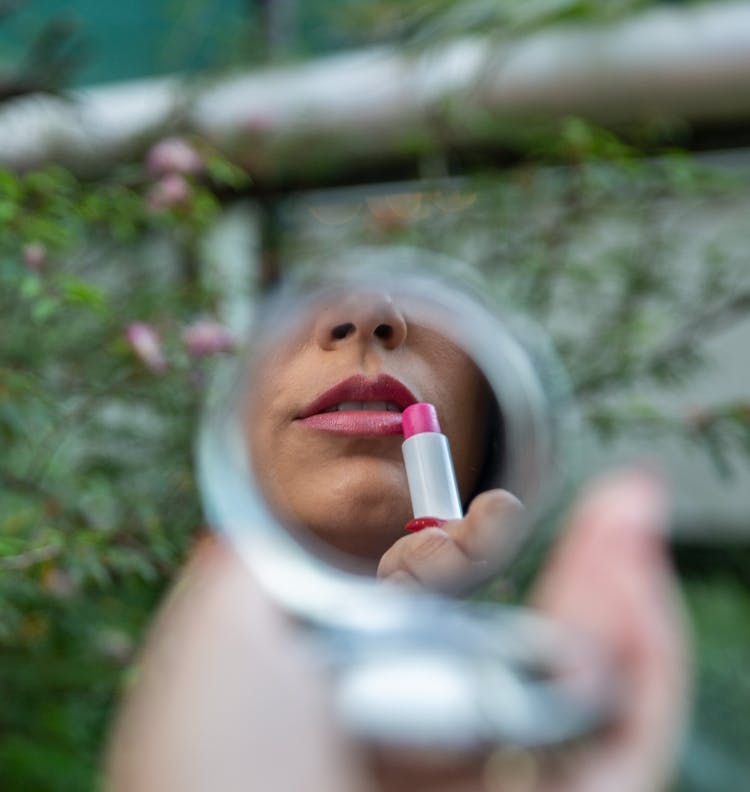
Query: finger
pixel 491 530
pixel 456 555
pixel 610 578
pixel 431 557
pixel 402 577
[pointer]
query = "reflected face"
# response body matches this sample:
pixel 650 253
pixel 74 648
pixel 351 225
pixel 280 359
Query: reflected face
pixel 323 421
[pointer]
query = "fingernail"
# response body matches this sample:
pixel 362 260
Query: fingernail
pixel 647 494
pixel 637 498
pixel 420 523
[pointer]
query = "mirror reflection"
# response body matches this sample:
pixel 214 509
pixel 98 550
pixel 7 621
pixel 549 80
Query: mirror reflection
pixel 325 419
pixel 340 374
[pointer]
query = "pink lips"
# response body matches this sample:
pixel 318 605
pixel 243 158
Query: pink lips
pixel 320 414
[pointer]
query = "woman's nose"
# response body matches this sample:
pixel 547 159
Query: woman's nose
pixel 361 318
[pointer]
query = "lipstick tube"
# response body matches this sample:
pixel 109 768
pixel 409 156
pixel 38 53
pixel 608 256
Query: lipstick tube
pixel 429 469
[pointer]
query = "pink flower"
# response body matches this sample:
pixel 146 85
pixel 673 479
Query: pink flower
pixel 145 342
pixel 34 256
pixel 173 155
pixel 170 191
pixel 207 337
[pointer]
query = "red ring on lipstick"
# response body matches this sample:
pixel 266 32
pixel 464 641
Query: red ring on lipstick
pixel 420 523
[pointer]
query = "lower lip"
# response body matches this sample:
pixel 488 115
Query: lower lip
pixel 365 423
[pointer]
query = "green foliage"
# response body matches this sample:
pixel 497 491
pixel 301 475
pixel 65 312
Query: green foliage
pixel 715 752
pixel 97 497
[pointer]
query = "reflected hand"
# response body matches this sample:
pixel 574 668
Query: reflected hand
pixel 461 553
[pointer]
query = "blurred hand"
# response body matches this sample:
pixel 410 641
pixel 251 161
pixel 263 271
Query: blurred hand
pixel 611 579
pixel 229 697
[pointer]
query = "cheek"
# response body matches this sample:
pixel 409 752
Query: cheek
pixel 266 420
pixel 469 448
pixel 465 427
pixel 359 507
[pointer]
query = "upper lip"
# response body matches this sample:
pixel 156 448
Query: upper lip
pixel 359 387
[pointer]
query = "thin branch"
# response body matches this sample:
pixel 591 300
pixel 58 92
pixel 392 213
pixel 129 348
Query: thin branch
pixel 711 321
pixel 31 557
pixel 681 342
pixel 76 416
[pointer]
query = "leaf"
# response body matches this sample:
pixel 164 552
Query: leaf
pixel 80 292
pixel 44 309
pixel 30 286
pixel 718 454
pixel 10 186
pixel 227 173
pixel 11 546
pixel 8 210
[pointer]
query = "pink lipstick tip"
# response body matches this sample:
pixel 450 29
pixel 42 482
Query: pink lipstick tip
pixel 418 418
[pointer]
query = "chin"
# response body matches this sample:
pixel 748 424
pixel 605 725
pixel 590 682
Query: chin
pixel 358 506
pixel 363 539
pixel 360 518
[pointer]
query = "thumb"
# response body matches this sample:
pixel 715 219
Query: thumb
pixel 610 578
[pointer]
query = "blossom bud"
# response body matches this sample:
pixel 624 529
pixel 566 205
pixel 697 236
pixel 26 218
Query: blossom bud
pixel 174 155
pixel 146 344
pixel 170 191
pixel 207 337
pixel 34 256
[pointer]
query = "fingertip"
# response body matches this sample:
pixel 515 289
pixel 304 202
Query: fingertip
pixel 492 529
pixel 636 499
pixel 495 503
pixel 400 577
pixel 427 544
pixel 614 535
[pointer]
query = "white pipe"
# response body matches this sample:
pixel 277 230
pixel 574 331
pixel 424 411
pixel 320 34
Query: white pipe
pixel 690 64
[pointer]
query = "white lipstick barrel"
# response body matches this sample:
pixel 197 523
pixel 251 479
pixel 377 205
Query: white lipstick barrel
pixel 429 467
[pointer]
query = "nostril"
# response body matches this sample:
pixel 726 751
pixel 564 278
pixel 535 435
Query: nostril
pixel 383 332
pixel 342 331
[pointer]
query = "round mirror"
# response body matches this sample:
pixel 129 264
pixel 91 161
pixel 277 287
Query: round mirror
pixel 378 399
pixel 311 430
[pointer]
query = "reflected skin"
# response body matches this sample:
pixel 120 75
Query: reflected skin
pixel 351 491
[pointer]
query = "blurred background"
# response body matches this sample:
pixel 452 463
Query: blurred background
pixel 163 163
